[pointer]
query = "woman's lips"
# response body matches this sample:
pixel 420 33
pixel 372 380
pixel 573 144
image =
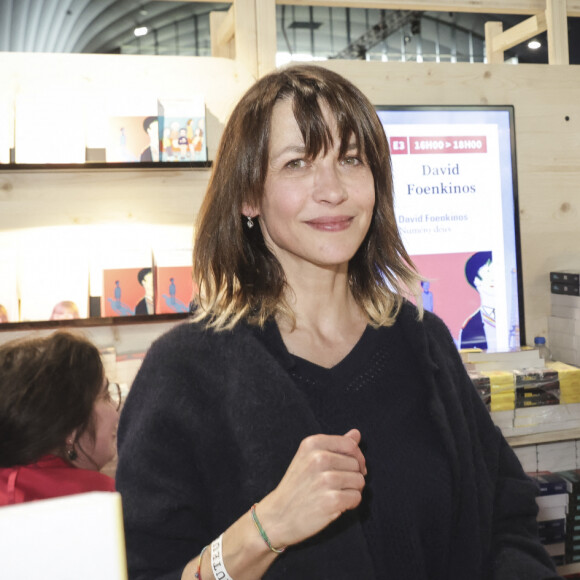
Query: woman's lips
pixel 331 224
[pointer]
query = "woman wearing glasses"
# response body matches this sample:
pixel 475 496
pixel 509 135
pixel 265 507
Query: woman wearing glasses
pixel 58 418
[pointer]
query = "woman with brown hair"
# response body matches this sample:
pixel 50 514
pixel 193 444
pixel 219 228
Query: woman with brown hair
pixel 311 423
pixel 58 418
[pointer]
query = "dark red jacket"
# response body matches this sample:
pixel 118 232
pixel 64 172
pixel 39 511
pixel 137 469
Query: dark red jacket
pixel 49 477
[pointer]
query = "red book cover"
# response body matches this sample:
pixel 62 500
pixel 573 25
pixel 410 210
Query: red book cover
pixel 128 292
pixel 174 289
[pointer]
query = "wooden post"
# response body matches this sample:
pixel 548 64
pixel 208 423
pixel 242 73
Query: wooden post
pixel 266 35
pixel 493 29
pixel 221 29
pixel 557 23
pixel 246 32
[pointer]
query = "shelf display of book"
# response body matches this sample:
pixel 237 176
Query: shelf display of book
pixel 120 128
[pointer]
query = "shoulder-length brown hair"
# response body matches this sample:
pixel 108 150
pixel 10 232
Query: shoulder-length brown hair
pixel 238 276
pixel 48 386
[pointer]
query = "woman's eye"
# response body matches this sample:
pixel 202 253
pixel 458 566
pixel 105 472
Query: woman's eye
pixel 352 161
pixel 296 164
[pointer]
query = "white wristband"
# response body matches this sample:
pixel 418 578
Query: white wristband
pixel 217 561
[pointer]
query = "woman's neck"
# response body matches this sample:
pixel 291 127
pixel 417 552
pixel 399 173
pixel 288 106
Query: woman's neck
pixel 329 322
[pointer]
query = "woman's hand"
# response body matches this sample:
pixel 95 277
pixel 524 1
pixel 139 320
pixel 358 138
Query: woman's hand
pixel 324 479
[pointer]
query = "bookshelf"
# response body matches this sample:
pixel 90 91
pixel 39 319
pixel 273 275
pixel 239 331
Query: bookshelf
pixel 156 200
pixel 90 322
pixel 547 437
pixel 567 569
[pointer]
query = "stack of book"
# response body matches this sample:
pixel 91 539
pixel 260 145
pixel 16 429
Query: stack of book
pixel 482 384
pixel 564 322
pixel 531 400
pixel 552 510
pixel 535 390
pixel 488 360
pixel 572 541
pixel 502 390
pixel 536 387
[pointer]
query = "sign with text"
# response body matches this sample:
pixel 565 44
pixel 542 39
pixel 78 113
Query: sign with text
pixel 455 198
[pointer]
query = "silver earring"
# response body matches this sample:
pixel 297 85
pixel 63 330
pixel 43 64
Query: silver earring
pixel 71 453
pixel 250 222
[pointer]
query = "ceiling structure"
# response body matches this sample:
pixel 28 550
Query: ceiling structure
pixel 107 26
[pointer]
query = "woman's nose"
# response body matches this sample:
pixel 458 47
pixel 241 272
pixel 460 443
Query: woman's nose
pixel 329 186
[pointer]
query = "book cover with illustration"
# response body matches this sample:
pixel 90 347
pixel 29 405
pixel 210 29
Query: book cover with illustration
pixel 182 129
pixel 174 289
pixel 128 291
pixel 174 286
pixel 132 127
pixel 132 139
pixel 53 276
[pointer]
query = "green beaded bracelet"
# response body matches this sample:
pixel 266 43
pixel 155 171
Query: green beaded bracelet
pixel 263 533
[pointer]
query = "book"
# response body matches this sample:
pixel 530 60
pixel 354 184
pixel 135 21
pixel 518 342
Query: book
pixel 128 291
pixel 553 457
pixel 567 300
pixel 121 274
pixel 174 285
pixel 132 139
pixel 535 387
pixel 132 127
pixel 516 358
pixel 545 418
pixel 53 275
pixel 565 340
pixel 563 351
pixel 550 483
pixel 551 514
pixel 182 131
pixel 553 501
pixel 572 478
pixel 565 276
pixel 551 535
pixel 77 536
pixel 571 312
pixel 504 420
pixel 49 127
pixel 559 456
pixel 563 325
pixel 570 289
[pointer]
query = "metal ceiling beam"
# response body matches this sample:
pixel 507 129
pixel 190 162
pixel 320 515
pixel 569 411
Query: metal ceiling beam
pixel 389 23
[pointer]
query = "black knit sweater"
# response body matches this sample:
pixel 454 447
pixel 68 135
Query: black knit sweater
pixel 408 494
pixel 213 420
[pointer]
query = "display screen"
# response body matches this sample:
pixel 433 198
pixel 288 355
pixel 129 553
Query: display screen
pixel 454 173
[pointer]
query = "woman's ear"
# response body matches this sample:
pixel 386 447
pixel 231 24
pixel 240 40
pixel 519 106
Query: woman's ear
pixel 70 450
pixel 249 210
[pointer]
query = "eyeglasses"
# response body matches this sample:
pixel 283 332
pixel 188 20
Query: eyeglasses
pixel 113 395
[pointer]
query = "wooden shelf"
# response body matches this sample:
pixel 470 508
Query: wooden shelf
pixel 546 437
pixel 569 569
pixel 92 322
pixel 104 165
